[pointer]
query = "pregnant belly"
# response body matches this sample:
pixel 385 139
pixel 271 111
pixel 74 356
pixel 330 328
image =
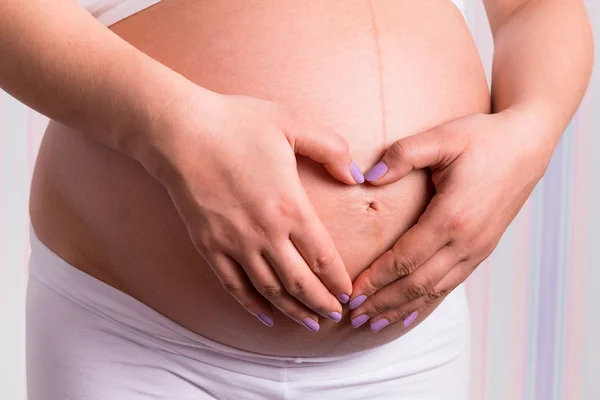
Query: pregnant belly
pixel 375 71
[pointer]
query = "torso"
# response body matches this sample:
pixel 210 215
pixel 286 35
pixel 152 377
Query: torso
pixel 375 71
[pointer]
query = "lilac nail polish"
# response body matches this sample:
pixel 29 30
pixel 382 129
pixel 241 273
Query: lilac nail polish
pixel 310 324
pixel 358 321
pixel 379 324
pixel 409 320
pixel 334 316
pixel 356 173
pixel 376 172
pixel 265 319
pixel 357 301
pixel 343 298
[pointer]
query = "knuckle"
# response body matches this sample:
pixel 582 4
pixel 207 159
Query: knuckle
pixel 488 247
pixel 270 291
pixel 404 264
pixel 277 210
pixel 399 150
pixel 203 241
pixel 370 286
pixel 246 301
pixel 477 247
pixel 298 286
pixel 463 253
pixel 416 290
pixel 340 147
pixel 286 207
pixel 323 260
pixel 435 294
pixel 400 314
pixel 458 222
pixel 379 307
pixel 235 288
pixel 274 218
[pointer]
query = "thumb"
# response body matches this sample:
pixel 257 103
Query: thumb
pixel 326 147
pixel 426 149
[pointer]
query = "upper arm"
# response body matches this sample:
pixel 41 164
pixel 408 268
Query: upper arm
pixel 498 10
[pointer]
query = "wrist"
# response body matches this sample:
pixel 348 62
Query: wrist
pixel 187 111
pixel 536 131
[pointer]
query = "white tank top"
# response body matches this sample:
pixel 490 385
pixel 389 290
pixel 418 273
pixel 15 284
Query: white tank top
pixel 108 12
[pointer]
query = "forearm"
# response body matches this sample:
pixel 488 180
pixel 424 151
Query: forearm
pixel 57 59
pixel 542 62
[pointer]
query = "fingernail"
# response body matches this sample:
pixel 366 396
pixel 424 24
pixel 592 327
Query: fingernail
pixel 358 321
pixel 343 298
pixel 265 319
pixel 310 324
pixel 357 301
pixel 379 324
pixel 334 316
pixel 376 172
pixel 409 320
pixel 356 173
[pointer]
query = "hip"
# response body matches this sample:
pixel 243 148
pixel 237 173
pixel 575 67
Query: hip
pixel 84 336
pixel 244 334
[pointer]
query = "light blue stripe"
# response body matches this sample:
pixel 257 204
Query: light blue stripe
pixel 533 289
pixel 564 257
pixel 549 256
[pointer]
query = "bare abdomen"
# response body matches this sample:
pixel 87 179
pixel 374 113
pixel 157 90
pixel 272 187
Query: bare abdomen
pixel 373 71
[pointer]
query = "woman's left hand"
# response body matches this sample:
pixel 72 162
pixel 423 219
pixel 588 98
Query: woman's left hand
pixel 484 167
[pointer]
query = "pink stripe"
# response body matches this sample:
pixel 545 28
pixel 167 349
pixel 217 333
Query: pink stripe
pixel 577 255
pixel 478 289
pixel 485 324
pixel 520 298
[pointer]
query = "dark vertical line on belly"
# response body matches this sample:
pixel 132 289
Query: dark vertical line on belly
pixel 375 31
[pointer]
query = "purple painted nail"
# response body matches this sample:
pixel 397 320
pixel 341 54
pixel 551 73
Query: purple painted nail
pixel 379 324
pixel 376 172
pixel 265 319
pixel 357 301
pixel 343 298
pixel 409 320
pixel 310 324
pixel 358 321
pixel 356 173
pixel 334 316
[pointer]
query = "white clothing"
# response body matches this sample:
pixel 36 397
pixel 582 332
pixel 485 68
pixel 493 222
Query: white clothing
pixel 109 12
pixel 89 341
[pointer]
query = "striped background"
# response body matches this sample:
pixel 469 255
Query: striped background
pixel 535 324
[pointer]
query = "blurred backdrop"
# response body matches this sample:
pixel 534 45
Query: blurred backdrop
pixel 536 326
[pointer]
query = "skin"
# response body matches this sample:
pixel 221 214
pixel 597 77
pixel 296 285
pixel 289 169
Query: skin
pixel 484 167
pixel 164 125
pixel 119 189
pixel 121 203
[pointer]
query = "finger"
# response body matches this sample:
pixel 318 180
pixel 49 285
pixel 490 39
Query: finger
pixel 324 146
pixel 420 284
pixel 236 282
pixel 454 277
pixel 267 283
pixel 412 312
pixel 427 149
pixel 413 248
pixel 301 282
pixel 407 313
pixel 320 254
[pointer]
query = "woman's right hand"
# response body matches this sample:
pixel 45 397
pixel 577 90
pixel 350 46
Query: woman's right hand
pixel 228 163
